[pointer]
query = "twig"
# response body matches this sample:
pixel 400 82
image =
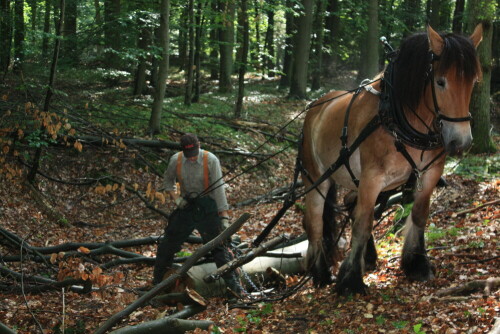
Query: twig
pixel 477 207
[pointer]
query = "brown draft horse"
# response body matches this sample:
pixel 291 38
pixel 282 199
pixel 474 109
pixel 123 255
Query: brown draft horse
pixel 431 84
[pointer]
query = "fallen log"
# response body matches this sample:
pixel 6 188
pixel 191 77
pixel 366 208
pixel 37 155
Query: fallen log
pixel 165 326
pixel 487 285
pixel 6 330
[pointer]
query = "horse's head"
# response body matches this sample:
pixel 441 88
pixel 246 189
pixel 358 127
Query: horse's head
pixel 455 70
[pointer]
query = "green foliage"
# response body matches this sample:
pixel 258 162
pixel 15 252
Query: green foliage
pixel 479 167
pixel 400 324
pixel 417 329
pixel 39 138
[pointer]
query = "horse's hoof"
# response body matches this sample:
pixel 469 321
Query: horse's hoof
pixel 351 286
pixel 370 266
pixel 419 269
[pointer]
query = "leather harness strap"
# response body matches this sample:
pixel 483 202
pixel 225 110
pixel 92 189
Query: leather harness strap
pixel 205 169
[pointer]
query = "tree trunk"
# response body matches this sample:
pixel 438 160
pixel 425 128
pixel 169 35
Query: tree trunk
pixel 143 43
pixel 46 29
pixel 332 25
pixel 318 45
pixel 255 51
pixel 198 52
pixel 5 35
pixel 434 19
pixel 302 45
pixel 372 43
pixel 412 15
pixel 55 58
pixel 69 50
pixel 226 37
pixel 34 11
pixel 18 35
pixel 480 104
pixel 458 16
pixel 112 32
pixel 244 36
pixel 214 43
pixel 288 58
pixel 155 120
pixel 183 38
pixel 190 64
pixel 269 43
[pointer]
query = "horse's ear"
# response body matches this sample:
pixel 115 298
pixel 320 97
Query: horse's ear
pixel 436 42
pixel 477 35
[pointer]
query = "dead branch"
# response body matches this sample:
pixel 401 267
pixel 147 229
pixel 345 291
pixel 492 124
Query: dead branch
pixel 488 286
pixel 166 325
pixel 201 252
pixel 273 195
pixel 476 208
pixel 6 330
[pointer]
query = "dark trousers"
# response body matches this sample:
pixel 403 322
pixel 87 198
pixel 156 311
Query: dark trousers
pixel 200 214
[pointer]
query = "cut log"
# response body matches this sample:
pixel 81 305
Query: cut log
pixel 255 270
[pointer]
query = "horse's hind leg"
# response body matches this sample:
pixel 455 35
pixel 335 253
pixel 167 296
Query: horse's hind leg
pixel 414 261
pixel 350 277
pixel 317 259
pixel 370 256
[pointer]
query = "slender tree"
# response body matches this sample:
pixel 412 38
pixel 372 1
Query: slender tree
pixel 269 40
pixel 332 36
pixel 317 43
pixel 190 64
pixel 480 105
pixel 143 43
pixel 290 31
pixel 458 16
pixel 155 120
pixel 302 45
pixel 226 44
pixel 112 30
pixel 198 49
pixel 69 49
pixel 18 34
pixel 371 57
pixel 5 35
pixel 244 28
pixel 46 28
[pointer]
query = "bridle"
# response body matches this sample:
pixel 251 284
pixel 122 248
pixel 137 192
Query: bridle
pixel 394 119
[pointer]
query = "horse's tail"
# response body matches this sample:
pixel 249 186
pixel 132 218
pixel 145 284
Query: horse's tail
pixel 330 231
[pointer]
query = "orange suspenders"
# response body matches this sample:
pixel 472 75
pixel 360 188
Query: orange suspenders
pixel 205 169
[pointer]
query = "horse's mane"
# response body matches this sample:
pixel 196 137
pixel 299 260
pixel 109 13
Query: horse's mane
pixel 412 64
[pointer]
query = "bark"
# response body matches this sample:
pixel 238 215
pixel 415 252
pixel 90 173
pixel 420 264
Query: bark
pixel 112 32
pixel 18 35
pixel 201 252
pixel 244 42
pixel 70 46
pixel 288 59
pixel 332 26
pixel 155 120
pixel 46 28
pixel 480 104
pixel 143 43
pixel 167 325
pixel 226 38
pixel 317 71
pixel 198 51
pixel 488 286
pixel 190 65
pixel 458 16
pixel 269 42
pixel 5 35
pixel 369 51
pixel 302 45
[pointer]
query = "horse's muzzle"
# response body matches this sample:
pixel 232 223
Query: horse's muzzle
pixel 457 138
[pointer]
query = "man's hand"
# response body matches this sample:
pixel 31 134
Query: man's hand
pixel 181 202
pixel 225 222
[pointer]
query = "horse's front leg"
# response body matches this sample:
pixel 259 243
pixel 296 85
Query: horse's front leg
pixel 414 261
pixel 350 277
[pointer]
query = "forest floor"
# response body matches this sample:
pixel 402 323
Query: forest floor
pixel 463 246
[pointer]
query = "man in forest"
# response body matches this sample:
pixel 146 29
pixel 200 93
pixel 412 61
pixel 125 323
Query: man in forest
pixel 196 207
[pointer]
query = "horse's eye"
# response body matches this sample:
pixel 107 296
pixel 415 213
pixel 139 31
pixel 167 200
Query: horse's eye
pixel 441 82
